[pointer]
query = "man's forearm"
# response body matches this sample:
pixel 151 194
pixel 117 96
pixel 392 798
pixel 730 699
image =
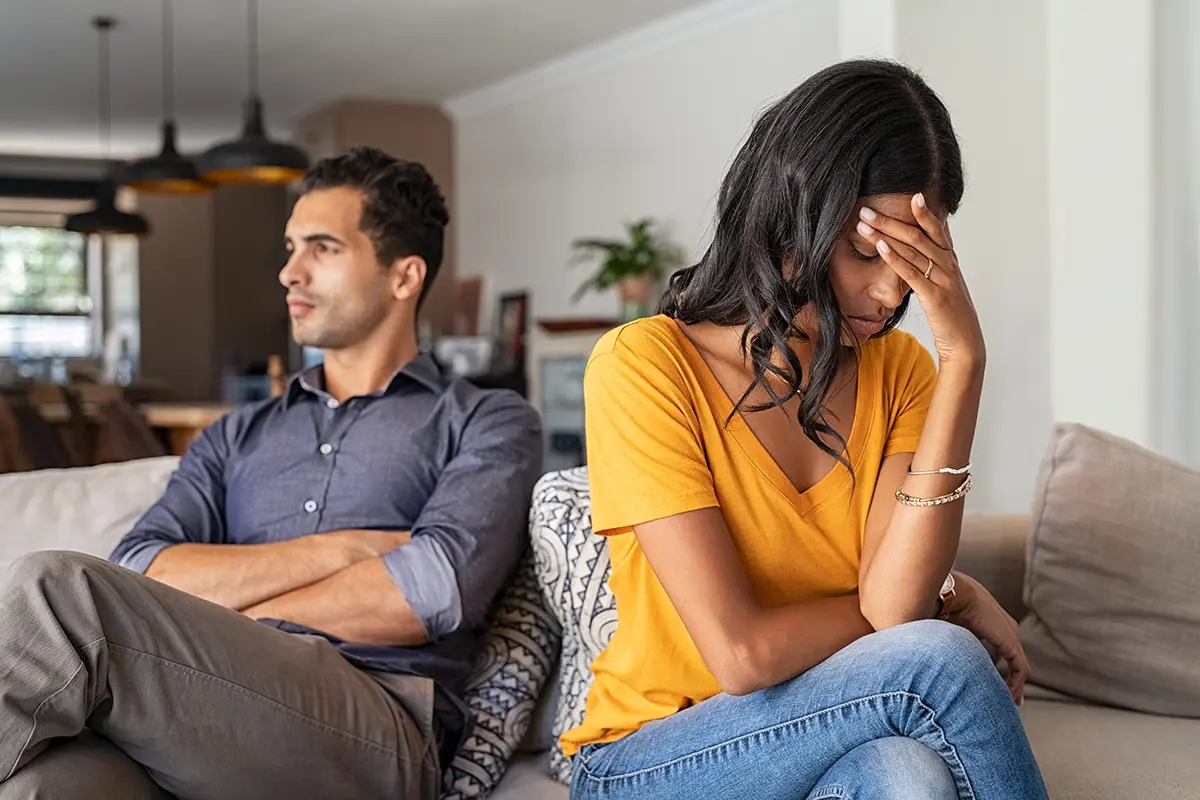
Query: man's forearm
pixel 239 575
pixel 360 603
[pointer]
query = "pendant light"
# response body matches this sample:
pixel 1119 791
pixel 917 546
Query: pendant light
pixel 104 216
pixel 253 158
pixel 168 172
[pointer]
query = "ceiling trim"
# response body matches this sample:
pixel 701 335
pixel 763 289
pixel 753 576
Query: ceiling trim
pixel 608 54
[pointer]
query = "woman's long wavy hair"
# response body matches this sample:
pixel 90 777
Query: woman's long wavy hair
pixel 855 129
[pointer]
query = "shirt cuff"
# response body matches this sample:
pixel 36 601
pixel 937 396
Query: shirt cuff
pixel 141 555
pixel 422 571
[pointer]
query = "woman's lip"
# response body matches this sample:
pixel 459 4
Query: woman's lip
pixel 869 327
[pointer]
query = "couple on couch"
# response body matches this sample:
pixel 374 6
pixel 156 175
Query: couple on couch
pixel 314 578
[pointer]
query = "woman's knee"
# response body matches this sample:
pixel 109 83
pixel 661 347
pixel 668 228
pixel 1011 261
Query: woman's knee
pixel 910 771
pixel 934 642
pixel 894 768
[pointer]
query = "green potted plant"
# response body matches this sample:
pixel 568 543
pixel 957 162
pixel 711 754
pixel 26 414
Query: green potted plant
pixel 633 265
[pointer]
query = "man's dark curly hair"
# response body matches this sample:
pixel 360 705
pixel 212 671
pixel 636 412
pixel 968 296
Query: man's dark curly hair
pixel 404 212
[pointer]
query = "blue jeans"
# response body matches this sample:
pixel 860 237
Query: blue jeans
pixel 916 711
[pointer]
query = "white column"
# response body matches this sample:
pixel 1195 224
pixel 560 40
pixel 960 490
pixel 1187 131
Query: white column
pixel 1100 81
pixel 1177 76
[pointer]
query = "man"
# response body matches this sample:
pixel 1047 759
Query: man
pixel 318 568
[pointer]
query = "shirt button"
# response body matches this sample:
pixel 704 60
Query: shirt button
pixel 326 449
pixel 331 403
pixel 310 506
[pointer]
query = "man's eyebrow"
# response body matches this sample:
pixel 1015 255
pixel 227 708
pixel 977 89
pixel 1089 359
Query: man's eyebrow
pixel 317 237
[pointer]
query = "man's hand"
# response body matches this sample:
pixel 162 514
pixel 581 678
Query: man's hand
pixel 974 608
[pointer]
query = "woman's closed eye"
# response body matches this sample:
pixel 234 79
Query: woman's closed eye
pixel 861 256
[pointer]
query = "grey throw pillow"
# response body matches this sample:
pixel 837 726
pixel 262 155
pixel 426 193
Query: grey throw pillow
pixel 1113 567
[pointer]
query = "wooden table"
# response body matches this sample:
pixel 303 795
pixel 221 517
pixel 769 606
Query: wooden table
pixel 181 422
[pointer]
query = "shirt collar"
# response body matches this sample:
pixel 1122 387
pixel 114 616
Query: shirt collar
pixel 422 369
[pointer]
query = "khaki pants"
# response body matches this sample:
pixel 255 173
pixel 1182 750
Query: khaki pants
pixel 113 685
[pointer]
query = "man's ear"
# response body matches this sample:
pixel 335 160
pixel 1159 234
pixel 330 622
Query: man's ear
pixel 408 277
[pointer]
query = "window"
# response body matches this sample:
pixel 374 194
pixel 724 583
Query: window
pixel 45 304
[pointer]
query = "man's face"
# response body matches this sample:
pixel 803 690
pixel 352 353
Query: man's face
pixel 338 292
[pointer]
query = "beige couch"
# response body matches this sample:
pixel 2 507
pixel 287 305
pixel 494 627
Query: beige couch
pixel 1086 752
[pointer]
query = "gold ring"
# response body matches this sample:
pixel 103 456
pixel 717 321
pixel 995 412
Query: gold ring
pixel 929 271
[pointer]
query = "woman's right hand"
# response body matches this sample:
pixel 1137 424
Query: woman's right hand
pixel 974 608
pixel 913 250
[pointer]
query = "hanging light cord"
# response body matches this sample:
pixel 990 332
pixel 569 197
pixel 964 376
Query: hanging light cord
pixel 104 26
pixel 168 88
pixel 252 12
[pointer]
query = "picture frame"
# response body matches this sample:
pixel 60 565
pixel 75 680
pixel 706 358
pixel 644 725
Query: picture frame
pixel 512 322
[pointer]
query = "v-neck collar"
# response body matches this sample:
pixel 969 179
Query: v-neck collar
pixel 837 477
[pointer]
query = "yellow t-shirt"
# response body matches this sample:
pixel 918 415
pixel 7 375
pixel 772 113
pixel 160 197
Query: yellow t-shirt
pixel 658 446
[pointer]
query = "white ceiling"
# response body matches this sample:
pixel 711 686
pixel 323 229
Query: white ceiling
pixel 313 52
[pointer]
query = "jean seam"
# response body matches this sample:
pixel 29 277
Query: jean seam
pixel 264 699
pixel 833 791
pixel 791 723
pixel 33 718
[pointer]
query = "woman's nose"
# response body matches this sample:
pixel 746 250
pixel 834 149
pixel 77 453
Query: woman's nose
pixel 889 290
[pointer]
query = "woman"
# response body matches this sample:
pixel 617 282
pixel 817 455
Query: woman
pixel 781 474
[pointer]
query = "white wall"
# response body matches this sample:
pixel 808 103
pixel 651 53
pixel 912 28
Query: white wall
pixel 650 136
pixel 1054 232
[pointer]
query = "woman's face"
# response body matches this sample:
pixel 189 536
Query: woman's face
pixel 868 291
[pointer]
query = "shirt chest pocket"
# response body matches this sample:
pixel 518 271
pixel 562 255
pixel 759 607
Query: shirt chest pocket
pixel 377 486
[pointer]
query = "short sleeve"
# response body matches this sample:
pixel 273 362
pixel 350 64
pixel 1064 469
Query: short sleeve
pixel 912 381
pixel 645 452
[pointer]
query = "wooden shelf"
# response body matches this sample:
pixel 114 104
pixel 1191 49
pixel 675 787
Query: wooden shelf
pixel 577 324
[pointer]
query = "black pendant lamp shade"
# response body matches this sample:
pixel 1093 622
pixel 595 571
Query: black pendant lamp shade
pixel 104 216
pixel 168 172
pixel 254 157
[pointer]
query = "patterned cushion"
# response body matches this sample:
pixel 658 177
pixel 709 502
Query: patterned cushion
pixel 515 659
pixel 573 568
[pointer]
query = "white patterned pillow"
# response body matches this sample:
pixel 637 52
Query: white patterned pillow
pixel 516 656
pixel 573 567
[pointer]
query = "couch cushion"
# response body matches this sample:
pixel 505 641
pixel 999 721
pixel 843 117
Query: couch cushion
pixel 528 779
pixel 86 509
pixel 1094 753
pixel 516 656
pixel 1111 575
pixel 573 568
pixel 540 736
pixel 992 551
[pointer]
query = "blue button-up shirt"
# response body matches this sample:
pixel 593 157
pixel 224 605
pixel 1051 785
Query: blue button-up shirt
pixel 452 463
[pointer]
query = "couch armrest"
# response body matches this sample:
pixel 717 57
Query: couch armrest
pixel 992 551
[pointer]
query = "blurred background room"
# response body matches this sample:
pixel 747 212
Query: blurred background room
pixel 580 146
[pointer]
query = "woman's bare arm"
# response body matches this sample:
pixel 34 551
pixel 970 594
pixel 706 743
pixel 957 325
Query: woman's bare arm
pixel 908 551
pixel 746 645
